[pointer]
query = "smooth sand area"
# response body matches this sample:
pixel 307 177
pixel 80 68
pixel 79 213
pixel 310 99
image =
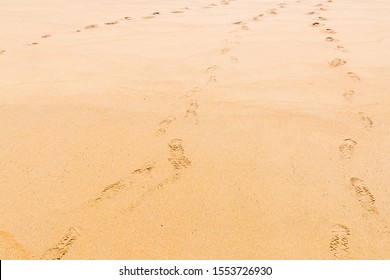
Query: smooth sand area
pixel 235 129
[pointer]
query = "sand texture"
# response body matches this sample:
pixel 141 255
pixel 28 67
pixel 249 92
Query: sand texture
pixel 167 129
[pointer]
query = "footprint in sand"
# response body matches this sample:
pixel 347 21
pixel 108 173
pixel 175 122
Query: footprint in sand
pixel 178 159
pixel 353 76
pixel 191 113
pixel 148 17
pixel 339 245
pixel 321 18
pixel 337 62
pixel 212 80
pixel 367 122
pixel 91 26
pixel 322 9
pixel 342 49
pixel 146 169
pixel 311 13
pixel 33 44
pixel 363 194
pixel 239 23
pixel 177 12
pixel 212 68
pixel 316 24
pixel 128 18
pixel 258 17
pixel 349 94
pixel 233 59
pixel 111 23
pixel 244 27
pixel 328 31
pixel 331 39
pixel 225 50
pixel 2 51
pixel 10 249
pixel 63 246
pixel 45 36
pixel 273 12
pixel 347 149
pixel 164 124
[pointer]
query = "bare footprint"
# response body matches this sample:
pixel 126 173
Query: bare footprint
pixel 337 62
pixel 347 149
pixel 348 95
pixel 364 195
pixel 45 36
pixel 258 17
pixel 212 79
pixel 316 24
pixel 128 18
pixel 273 12
pixel 146 169
pixel 367 122
pixel 321 18
pixel 244 27
pixel 339 245
pixel 310 13
pixel 239 23
pixel 353 76
pixel 33 44
pixel 63 246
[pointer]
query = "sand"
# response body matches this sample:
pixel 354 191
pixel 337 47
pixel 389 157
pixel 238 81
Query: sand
pixel 194 129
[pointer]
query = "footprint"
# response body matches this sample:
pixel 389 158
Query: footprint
pixel 178 159
pixel 2 51
pixel 10 249
pixel 339 245
pixel 273 12
pixel 191 112
pixel 347 149
pixel 256 18
pixel 225 50
pixel 353 76
pixel 316 23
pixel 146 169
pixel 342 49
pixel 311 13
pixel 148 17
pixel 233 59
pixel 128 18
pixel 212 79
pixel 177 12
pixel 33 44
pixel 330 39
pixel 328 31
pixel 111 23
pixel 244 27
pixel 163 125
pixel 364 195
pixel 349 94
pixel 156 13
pixel 92 26
pixel 212 68
pixel 239 23
pixel 321 18
pixel 78 30
pixel 367 122
pixel 337 62
pixel 63 246
pixel 45 36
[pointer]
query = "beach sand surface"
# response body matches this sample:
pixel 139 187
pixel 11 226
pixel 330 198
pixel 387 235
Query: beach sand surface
pixel 235 129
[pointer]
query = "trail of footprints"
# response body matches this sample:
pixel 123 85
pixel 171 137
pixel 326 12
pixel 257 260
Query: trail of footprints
pixel 339 244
